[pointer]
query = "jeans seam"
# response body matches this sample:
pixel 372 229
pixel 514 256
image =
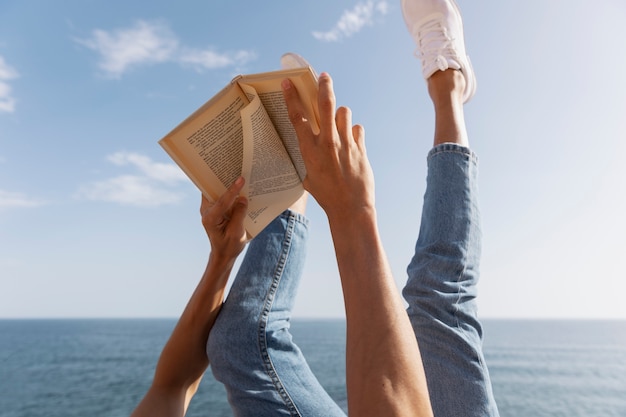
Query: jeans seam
pixel 464 261
pixel 466 249
pixel 267 307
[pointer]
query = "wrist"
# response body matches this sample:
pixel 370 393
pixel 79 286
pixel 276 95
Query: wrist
pixel 220 262
pixel 344 218
pixel 352 228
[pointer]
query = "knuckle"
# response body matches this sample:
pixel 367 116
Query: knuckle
pixel 295 116
pixel 327 102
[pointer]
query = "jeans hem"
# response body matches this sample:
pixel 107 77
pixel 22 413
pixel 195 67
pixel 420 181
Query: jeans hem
pixel 450 147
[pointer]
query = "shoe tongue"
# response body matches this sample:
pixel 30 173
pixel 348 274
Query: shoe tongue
pixel 436 50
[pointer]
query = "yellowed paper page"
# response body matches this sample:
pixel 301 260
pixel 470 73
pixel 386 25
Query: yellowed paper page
pixel 208 145
pixel 272 182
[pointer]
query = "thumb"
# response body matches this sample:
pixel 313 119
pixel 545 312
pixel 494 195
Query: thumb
pixel 240 208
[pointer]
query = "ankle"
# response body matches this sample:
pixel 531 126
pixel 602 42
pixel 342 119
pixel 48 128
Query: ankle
pixel 446 89
pixel 448 85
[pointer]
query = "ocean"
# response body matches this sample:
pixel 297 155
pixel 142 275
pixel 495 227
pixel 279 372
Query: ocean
pixel 85 368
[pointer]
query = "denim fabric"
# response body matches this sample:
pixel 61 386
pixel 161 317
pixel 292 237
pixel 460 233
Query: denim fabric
pixel 250 348
pixel 441 287
pixel 265 374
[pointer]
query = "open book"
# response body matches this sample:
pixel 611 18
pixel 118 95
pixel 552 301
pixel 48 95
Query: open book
pixel 245 130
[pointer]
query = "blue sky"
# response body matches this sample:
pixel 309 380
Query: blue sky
pixel 96 221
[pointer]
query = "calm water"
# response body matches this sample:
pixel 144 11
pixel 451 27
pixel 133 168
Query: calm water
pixel 102 368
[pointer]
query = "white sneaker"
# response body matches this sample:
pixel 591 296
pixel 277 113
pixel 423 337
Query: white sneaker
pixel 437 29
pixel 291 60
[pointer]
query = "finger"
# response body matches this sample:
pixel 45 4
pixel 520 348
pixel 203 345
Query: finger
pixel 238 214
pixel 344 125
pixel 358 133
pixel 224 204
pixel 295 110
pixel 326 104
pixel 205 205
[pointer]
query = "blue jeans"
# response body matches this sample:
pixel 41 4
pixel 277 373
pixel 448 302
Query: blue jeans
pixel 250 347
pixel 441 288
pixel 264 372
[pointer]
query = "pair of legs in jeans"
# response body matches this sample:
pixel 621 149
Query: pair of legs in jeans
pixel 264 372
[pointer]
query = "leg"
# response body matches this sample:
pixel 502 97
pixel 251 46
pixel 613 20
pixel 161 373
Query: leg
pixel 441 288
pixel 250 347
pixel 443 274
pixel 446 91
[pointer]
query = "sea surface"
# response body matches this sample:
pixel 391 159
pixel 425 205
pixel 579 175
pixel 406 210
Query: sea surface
pixel 102 368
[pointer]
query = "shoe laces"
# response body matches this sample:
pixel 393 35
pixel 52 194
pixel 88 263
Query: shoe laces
pixel 435 44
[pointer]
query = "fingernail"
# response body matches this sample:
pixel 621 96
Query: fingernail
pixel 239 181
pixel 286 84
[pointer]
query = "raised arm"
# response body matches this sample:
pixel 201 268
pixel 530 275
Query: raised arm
pixel 183 360
pixel 385 375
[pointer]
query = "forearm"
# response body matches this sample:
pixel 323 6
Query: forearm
pixel 183 360
pixel 384 369
pixel 385 375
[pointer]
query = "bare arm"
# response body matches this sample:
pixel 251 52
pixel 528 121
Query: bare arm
pixel 183 360
pixel 385 375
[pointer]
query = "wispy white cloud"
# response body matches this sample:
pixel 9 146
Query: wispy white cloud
pixel 153 42
pixel 7 73
pixel 11 263
pixel 353 21
pixel 131 190
pixel 17 200
pixel 159 171
pixel 142 44
pixel 210 59
pixel 150 187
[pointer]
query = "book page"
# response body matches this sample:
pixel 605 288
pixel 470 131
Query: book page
pixel 208 145
pixel 276 108
pixel 272 182
pixel 269 90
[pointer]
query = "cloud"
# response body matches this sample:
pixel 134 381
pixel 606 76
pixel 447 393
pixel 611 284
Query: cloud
pixel 148 188
pixel 149 43
pixel 7 73
pixel 162 172
pixel 353 21
pixel 130 190
pixel 17 200
pixel 122 49
pixel 209 59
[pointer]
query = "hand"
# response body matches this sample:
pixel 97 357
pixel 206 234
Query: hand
pixel 223 222
pixel 339 174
